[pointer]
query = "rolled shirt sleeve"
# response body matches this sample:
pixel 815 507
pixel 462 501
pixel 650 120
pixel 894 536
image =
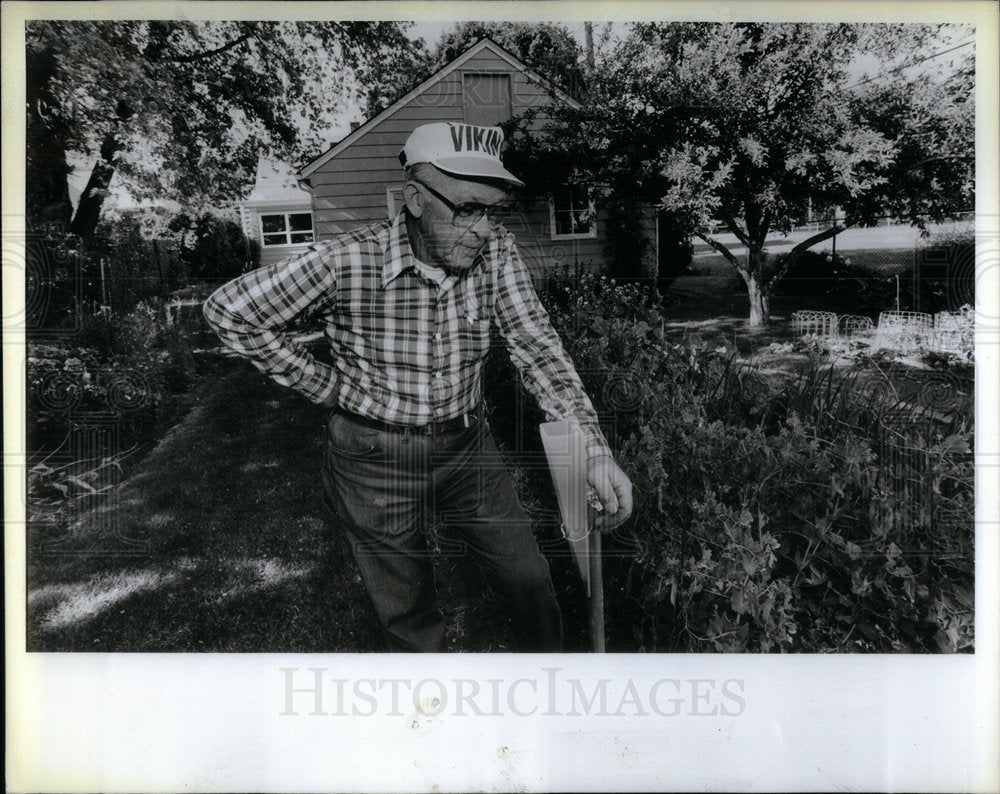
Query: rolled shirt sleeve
pixel 537 352
pixel 250 315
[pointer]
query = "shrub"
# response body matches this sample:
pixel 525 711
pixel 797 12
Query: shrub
pixel 813 514
pixel 941 277
pixel 136 268
pixel 818 273
pixel 213 248
pixel 117 267
pixel 946 279
pixel 676 251
pixel 124 367
pixel 626 240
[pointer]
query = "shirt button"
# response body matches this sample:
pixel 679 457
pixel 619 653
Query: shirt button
pixel 438 337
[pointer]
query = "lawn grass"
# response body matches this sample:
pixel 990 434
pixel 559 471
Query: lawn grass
pixel 216 542
pixel 219 541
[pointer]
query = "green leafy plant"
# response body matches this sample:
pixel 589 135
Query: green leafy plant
pixel 815 512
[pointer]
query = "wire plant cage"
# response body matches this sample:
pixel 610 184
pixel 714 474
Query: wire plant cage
pixel 849 325
pixel 808 322
pixel 951 331
pixel 904 330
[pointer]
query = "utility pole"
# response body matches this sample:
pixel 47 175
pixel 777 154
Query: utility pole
pixel 104 294
pixel 836 220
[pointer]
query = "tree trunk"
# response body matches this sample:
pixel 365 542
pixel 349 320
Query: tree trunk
pixel 751 273
pixel 757 287
pixel 47 186
pixel 760 302
pixel 47 202
pixel 88 211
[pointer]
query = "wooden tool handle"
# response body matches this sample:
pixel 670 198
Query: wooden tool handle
pixel 596 593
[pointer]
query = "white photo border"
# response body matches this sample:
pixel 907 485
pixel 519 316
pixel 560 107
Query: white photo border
pixel 215 722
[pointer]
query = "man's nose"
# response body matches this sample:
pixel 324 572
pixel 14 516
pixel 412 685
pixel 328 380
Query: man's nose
pixel 483 227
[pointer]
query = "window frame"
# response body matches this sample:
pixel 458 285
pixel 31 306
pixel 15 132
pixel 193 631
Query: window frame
pixel 591 234
pixel 288 232
pixel 394 193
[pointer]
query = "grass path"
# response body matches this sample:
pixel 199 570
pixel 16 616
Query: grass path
pixel 219 541
pixel 213 543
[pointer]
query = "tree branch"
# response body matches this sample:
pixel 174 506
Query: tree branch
pixel 210 53
pixel 735 229
pixel 765 227
pixel 729 255
pixel 792 256
pixel 826 234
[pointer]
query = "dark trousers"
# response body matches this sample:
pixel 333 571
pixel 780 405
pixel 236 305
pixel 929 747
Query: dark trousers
pixel 384 485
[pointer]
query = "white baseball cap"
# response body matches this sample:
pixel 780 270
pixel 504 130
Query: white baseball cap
pixel 458 149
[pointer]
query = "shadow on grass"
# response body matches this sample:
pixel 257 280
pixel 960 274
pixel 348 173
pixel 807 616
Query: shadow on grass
pixel 219 541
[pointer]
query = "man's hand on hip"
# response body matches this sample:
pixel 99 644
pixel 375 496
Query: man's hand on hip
pixel 614 490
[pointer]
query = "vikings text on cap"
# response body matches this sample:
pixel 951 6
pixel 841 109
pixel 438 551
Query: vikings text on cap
pixel 476 139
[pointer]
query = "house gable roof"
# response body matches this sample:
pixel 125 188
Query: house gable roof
pixel 484 44
pixel 275 182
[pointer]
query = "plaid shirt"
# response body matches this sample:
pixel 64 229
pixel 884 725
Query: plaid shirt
pixel 408 340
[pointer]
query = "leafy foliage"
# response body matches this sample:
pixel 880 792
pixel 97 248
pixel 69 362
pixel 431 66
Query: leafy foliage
pixel 753 124
pixel 940 277
pixel 212 247
pixel 546 47
pixel 181 109
pixel 814 513
pixel 126 366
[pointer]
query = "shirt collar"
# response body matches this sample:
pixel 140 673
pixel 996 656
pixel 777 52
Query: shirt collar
pixel 398 254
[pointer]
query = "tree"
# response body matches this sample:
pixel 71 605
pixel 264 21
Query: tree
pixel 751 124
pixel 181 109
pixel 770 125
pixel 600 144
pixel 547 48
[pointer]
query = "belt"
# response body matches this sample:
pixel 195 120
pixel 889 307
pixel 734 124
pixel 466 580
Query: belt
pixel 433 428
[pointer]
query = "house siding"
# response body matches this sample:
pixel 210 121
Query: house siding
pixel 349 189
pixel 272 254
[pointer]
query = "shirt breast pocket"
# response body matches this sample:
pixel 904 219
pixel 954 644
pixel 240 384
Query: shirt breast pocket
pixel 476 336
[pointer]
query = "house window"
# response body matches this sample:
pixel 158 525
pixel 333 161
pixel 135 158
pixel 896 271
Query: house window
pixel 394 200
pixel 486 98
pixel 286 228
pixel 572 213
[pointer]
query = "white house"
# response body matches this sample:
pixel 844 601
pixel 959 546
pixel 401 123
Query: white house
pixel 277 213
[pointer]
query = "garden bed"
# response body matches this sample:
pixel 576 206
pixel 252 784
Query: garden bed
pixel 792 506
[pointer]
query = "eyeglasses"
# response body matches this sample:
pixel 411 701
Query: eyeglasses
pixel 467 214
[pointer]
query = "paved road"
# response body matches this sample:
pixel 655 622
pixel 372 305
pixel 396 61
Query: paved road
pixel 884 248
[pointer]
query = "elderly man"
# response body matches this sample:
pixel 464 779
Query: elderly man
pixel 407 304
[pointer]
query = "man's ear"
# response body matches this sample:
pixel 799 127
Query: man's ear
pixel 413 199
